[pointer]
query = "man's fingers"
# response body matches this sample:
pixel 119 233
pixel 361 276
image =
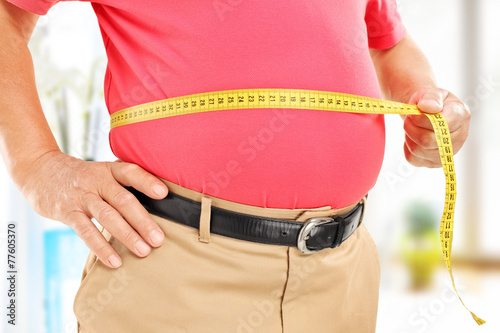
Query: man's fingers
pixel 94 240
pixel 419 121
pixel 133 212
pixel 129 174
pixel 113 221
pixel 457 115
pixel 419 161
pixel 454 112
pixel 426 138
pixel 430 154
pixel 421 136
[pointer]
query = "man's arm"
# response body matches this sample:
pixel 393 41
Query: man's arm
pixel 56 185
pixel 24 132
pixel 405 75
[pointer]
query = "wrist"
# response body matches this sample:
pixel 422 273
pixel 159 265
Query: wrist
pixel 23 170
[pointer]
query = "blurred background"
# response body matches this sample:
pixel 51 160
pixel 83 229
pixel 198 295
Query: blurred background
pixel 461 39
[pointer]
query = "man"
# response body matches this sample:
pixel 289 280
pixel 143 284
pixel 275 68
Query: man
pixel 266 164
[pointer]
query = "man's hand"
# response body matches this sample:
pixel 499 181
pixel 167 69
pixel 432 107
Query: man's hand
pixel 420 142
pixel 403 69
pixel 72 191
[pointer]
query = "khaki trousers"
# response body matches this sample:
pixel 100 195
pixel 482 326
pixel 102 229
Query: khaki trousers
pixel 200 282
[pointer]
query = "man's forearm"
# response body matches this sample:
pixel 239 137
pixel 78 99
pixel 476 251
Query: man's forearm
pixel 24 131
pixel 402 70
pixel 406 76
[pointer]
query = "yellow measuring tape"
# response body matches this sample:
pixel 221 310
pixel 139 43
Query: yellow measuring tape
pixel 310 100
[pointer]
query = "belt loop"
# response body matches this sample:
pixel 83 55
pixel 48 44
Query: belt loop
pixel 363 201
pixel 313 213
pixel 206 204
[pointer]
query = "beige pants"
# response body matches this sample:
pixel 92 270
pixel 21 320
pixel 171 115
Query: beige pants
pixel 200 282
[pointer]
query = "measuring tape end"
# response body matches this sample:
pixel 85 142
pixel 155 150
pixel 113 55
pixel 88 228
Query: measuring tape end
pixel 478 320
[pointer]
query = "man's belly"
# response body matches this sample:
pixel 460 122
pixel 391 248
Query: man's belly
pixel 268 157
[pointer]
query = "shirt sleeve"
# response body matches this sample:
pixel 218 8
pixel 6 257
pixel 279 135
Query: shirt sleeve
pixel 383 23
pixel 40 7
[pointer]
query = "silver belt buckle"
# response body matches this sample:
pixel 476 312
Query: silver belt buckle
pixel 306 230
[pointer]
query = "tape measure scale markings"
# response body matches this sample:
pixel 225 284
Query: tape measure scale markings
pixel 258 98
pixel 310 100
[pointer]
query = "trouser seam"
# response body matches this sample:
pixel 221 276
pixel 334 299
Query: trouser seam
pixel 284 291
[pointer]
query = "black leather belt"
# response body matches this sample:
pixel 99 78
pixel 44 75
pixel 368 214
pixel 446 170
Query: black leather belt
pixel 310 236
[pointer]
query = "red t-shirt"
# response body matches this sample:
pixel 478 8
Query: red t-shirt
pixel 263 157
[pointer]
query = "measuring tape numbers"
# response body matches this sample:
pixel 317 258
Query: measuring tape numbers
pixel 310 100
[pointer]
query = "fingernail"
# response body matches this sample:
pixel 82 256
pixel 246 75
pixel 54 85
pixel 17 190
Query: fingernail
pixel 156 237
pixel 159 190
pixel 115 261
pixel 142 248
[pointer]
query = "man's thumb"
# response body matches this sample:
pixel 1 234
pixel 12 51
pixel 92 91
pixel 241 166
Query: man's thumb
pixel 430 100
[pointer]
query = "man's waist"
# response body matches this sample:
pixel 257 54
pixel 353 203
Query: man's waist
pixel 310 230
pixel 298 214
